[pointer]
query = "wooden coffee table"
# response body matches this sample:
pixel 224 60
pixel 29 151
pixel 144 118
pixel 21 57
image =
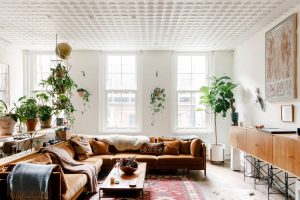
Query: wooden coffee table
pixel 108 190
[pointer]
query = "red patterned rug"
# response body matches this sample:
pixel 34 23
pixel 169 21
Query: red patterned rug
pixel 164 188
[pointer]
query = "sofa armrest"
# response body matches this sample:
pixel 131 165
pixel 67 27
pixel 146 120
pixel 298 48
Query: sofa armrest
pixel 203 146
pixel 54 190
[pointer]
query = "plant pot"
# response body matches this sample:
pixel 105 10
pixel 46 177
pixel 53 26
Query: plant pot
pixel 63 135
pixel 7 125
pixel 59 73
pixel 31 124
pixel 217 152
pixel 81 93
pixel 47 123
pixel 235 118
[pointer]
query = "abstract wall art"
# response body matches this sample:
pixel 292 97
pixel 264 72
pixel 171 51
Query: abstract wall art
pixel 280 60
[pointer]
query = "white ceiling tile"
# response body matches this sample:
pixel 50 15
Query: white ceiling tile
pixel 132 24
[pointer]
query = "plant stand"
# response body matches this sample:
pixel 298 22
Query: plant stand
pixel 217 153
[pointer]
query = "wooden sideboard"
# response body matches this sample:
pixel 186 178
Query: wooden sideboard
pixel 280 150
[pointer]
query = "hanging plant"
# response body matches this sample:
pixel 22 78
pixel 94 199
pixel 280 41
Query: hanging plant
pixel 157 100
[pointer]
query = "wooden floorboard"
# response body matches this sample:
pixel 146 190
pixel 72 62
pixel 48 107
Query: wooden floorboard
pixel 223 183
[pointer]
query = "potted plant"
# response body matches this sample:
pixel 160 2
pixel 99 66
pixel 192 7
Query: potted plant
pixel 218 96
pixel 157 100
pixel 44 110
pixel 28 112
pixel 7 119
pixel 84 94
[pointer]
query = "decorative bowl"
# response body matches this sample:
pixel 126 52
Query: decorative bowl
pixel 128 170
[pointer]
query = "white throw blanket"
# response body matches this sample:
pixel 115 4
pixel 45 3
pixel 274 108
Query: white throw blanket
pixel 124 142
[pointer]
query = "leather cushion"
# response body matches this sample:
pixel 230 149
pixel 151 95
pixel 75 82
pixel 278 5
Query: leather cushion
pixel 152 148
pixel 164 139
pixel 196 147
pixel 171 147
pixel 152 139
pixel 184 147
pixel 76 184
pixel 100 148
pixel 82 148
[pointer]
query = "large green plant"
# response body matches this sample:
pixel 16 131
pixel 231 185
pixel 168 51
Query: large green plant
pixel 60 87
pixel 4 112
pixel 44 110
pixel 28 108
pixel 218 96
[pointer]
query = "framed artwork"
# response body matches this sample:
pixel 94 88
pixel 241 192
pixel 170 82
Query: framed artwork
pixel 280 60
pixel 287 113
pixel 4 83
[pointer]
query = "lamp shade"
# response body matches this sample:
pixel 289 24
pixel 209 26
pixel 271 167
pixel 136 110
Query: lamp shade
pixel 63 50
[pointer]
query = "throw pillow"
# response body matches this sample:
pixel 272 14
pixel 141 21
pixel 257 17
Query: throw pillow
pixel 152 148
pixel 99 147
pixel 184 147
pixel 196 147
pixel 152 139
pixel 171 147
pixel 82 148
pixel 164 139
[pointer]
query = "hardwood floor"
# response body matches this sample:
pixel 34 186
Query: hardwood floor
pixel 223 183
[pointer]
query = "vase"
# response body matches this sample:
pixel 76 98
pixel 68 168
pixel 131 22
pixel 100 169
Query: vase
pixel 46 123
pixel 235 118
pixel 31 124
pixel 7 125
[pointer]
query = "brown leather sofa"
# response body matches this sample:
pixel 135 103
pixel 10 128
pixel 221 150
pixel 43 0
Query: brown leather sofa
pixel 76 183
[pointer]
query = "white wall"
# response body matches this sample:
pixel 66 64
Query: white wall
pixel 249 72
pixel 14 58
pixel 151 61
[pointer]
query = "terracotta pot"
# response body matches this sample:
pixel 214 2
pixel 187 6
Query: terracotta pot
pixel 81 93
pixel 47 123
pixel 31 124
pixel 7 125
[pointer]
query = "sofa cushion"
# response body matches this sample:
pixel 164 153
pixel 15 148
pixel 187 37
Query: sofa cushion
pixel 184 147
pixel 152 148
pixel 171 147
pixel 181 161
pixel 107 162
pixel 151 160
pixel 94 160
pixel 196 147
pixel 165 139
pixel 99 147
pixel 82 148
pixel 152 139
pixel 76 184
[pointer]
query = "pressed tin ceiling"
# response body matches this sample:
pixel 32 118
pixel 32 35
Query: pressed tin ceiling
pixel 135 24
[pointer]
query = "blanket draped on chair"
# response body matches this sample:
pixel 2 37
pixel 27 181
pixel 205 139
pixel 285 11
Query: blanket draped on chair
pixel 29 181
pixel 69 165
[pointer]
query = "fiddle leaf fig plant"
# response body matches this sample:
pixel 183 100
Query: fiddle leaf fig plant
pixel 157 101
pixel 218 96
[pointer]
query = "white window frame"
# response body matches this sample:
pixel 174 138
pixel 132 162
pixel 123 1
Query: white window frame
pixel 209 71
pixel 103 93
pixel 30 71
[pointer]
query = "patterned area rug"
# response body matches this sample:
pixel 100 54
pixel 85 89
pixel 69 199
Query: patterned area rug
pixel 163 188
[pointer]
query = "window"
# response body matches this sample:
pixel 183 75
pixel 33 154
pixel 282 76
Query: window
pixel 37 68
pixel 41 70
pixel 191 75
pixel 121 93
pixel 4 83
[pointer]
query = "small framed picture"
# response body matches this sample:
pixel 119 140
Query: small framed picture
pixel 287 113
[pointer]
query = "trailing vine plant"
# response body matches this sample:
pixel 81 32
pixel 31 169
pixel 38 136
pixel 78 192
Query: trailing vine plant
pixel 157 101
